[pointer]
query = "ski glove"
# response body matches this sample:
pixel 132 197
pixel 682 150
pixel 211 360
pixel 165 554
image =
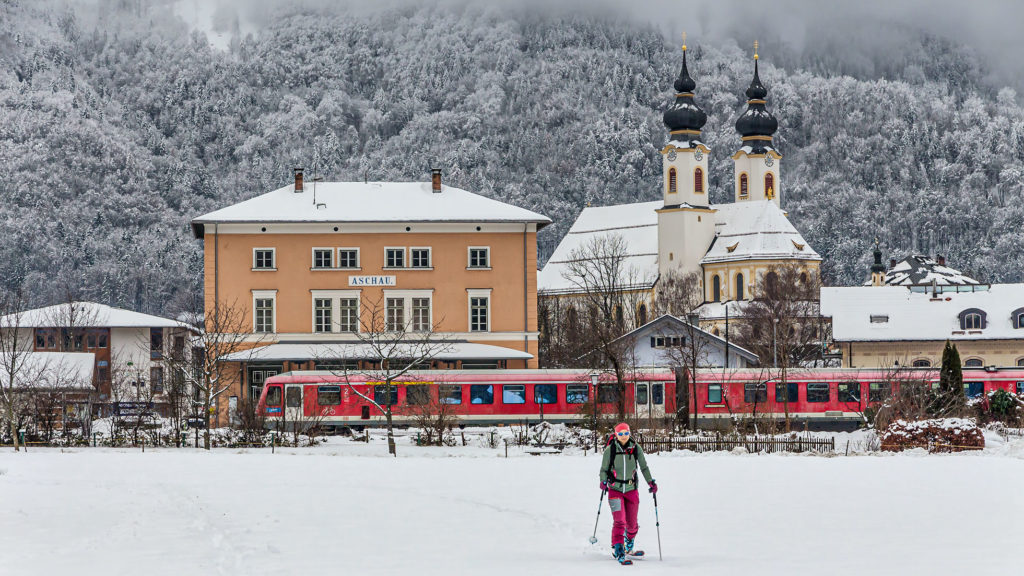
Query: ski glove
pixel 652 487
pixel 604 486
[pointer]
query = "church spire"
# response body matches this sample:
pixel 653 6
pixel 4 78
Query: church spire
pixel 877 269
pixel 684 118
pixel 757 125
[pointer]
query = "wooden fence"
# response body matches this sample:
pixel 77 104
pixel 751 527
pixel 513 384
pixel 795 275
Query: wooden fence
pixel 753 444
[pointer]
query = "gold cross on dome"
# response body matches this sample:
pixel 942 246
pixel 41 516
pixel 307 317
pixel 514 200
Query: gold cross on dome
pixel 755 50
pixel 684 41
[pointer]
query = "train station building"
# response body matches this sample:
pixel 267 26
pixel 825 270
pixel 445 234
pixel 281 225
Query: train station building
pixel 313 267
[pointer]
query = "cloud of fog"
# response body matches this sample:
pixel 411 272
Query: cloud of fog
pixel 794 30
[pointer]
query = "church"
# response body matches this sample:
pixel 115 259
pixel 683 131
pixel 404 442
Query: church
pixel 731 246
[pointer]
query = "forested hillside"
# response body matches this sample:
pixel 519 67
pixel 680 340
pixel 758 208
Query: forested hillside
pixel 115 131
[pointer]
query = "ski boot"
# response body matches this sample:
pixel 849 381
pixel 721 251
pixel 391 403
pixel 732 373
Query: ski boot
pixel 630 551
pixel 619 552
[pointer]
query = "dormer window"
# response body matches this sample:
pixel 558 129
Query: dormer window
pixel 743 187
pixel 972 319
pixel 672 181
pixel 1017 318
pixel 698 181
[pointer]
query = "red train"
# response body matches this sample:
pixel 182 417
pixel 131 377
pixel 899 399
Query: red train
pixel 824 398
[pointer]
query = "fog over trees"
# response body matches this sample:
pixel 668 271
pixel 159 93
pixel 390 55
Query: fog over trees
pixel 121 123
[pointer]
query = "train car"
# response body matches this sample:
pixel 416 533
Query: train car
pixel 827 398
pixel 481 397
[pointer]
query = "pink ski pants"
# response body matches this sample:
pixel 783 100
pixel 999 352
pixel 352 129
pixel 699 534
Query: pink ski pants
pixel 624 508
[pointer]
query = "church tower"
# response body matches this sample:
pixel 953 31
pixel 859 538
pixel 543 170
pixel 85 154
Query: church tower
pixel 686 222
pixel 877 269
pixel 757 163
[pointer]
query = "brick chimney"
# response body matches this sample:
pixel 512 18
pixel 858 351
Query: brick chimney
pixel 298 179
pixel 435 180
pixel 892 263
pixel 940 259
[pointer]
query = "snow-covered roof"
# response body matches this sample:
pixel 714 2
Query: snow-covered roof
pixel 54 370
pixel 358 350
pixel 89 315
pixel 755 230
pixel 343 202
pixel 716 310
pixel 687 144
pixel 894 313
pixel 920 270
pixel 638 226
pixel 670 320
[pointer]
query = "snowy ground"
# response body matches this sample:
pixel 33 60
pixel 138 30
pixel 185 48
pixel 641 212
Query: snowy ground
pixel 347 508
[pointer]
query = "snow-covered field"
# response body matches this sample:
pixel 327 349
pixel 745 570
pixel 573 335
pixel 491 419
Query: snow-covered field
pixel 347 508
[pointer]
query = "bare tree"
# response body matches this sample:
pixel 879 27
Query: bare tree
pixel 782 324
pixel 388 346
pixel 17 370
pixel 226 330
pixel 687 350
pixel 608 291
pixel 428 409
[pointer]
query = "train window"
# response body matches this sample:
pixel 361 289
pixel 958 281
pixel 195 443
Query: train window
pixel 481 394
pixel 1020 387
pixel 417 395
pixel 293 397
pixel 513 394
pixel 849 391
pixel 450 393
pixel 657 393
pixel 878 392
pixel 817 392
pixel 714 393
pixel 274 396
pixel 781 390
pixel 641 394
pixel 974 389
pixel 608 393
pixel 328 395
pixel 380 396
pixel 577 393
pixel 755 392
pixel 545 393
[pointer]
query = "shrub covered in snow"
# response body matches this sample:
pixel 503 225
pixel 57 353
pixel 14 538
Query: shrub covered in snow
pixel 938 435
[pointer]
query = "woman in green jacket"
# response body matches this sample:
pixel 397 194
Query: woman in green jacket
pixel 621 460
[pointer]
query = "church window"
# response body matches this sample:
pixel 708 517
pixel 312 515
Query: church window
pixel 619 319
pixel 671 180
pixel 716 289
pixel 641 315
pixel 743 187
pixel 769 186
pixel 803 277
pixel 739 286
pixel 698 181
pixel 771 283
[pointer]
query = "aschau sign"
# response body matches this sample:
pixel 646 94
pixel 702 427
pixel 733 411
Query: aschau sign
pixel 371 281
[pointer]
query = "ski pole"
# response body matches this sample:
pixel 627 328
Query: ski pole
pixel 593 539
pixel 657 524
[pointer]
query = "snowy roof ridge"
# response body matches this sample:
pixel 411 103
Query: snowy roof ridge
pixel 89 315
pixel 343 202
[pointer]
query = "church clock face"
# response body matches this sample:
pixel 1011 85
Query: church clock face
pixel 698 155
pixel 671 155
pixel 768 161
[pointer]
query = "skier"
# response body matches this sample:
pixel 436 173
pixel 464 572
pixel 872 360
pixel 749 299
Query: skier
pixel 621 459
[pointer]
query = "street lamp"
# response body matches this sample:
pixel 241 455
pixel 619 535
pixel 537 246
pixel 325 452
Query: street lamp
pixel 593 382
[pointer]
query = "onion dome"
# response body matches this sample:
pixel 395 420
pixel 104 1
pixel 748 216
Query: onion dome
pixel 757 124
pixel 684 118
pixel 877 266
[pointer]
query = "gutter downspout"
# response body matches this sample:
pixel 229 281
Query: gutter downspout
pixel 526 321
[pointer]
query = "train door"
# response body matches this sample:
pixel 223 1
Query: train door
pixel 293 402
pixel 650 399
